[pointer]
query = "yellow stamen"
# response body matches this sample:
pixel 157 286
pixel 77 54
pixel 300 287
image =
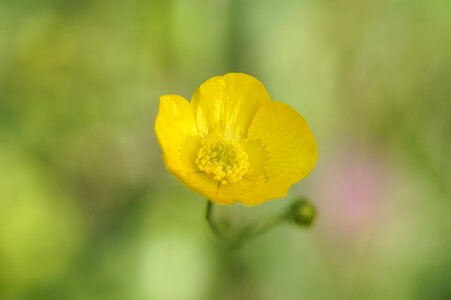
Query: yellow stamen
pixel 225 161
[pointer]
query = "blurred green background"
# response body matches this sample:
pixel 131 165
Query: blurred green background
pixel 88 211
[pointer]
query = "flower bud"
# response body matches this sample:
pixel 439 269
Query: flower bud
pixel 302 212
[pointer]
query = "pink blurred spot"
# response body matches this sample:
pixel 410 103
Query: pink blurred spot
pixel 350 190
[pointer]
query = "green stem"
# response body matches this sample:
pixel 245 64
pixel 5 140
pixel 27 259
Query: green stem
pixel 211 222
pixel 270 224
pixel 255 232
pixel 245 234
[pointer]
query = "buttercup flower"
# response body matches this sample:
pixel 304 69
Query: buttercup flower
pixel 232 143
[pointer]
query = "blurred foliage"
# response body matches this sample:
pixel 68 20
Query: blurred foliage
pixel 87 210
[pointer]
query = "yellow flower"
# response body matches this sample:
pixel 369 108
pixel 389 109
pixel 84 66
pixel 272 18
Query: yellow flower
pixel 232 143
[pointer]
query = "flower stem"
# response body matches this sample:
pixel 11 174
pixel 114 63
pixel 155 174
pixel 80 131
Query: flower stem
pixel 268 225
pixel 245 234
pixel 210 219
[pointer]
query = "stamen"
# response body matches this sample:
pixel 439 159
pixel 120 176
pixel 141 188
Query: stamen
pixel 225 161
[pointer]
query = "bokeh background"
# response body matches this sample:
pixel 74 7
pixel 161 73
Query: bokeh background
pixel 88 211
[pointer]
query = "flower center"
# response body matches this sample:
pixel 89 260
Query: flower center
pixel 225 161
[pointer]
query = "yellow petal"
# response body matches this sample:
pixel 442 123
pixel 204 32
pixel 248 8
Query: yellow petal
pixel 272 189
pixel 257 160
pixel 211 189
pixel 177 133
pixel 227 104
pixel 199 182
pixel 291 150
pixel 236 192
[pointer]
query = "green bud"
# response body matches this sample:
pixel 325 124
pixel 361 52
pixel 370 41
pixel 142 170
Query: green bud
pixel 302 212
